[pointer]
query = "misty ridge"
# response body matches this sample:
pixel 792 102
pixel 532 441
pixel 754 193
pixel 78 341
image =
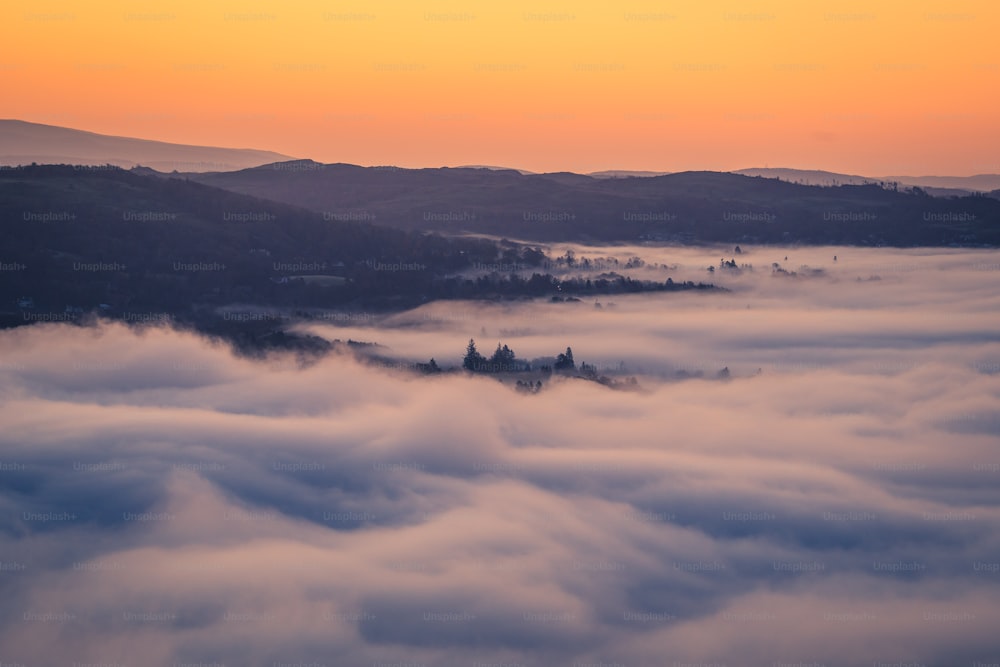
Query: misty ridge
pixel 235 253
pixel 89 240
pixel 22 143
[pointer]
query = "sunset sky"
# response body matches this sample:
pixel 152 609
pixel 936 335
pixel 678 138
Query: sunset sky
pixel 886 88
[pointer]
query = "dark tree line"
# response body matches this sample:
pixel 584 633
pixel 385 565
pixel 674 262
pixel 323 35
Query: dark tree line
pixel 503 360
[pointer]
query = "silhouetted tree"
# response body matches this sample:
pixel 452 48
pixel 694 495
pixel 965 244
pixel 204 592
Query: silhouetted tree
pixel 503 358
pixel 564 362
pixel 473 360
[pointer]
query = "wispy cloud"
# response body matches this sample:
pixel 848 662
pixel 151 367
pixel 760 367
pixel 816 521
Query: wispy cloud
pixel 164 501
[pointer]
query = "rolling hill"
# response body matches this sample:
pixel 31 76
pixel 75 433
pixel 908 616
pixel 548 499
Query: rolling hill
pixel 143 247
pixel 686 207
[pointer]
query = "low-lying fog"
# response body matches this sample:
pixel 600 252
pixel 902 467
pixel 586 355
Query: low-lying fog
pixel 837 501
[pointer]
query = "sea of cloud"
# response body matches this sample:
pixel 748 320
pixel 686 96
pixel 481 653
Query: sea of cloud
pixel 835 502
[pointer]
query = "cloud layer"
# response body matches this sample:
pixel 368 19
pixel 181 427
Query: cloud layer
pixel 164 502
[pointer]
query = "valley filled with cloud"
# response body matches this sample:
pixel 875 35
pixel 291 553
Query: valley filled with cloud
pixel 165 501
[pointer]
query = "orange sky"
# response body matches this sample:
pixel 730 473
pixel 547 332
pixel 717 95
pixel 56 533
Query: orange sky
pixel 878 88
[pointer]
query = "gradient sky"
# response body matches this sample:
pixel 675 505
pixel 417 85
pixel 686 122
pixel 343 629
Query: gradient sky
pixel 883 88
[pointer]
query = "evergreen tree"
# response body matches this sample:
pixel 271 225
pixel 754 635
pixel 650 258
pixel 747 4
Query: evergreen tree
pixel 502 359
pixel 564 361
pixel 473 360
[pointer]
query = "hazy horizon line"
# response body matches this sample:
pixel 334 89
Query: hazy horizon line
pixel 485 164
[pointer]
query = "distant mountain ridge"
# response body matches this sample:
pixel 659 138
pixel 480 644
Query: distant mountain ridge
pixel 685 207
pixel 937 185
pixel 626 173
pixel 22 142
